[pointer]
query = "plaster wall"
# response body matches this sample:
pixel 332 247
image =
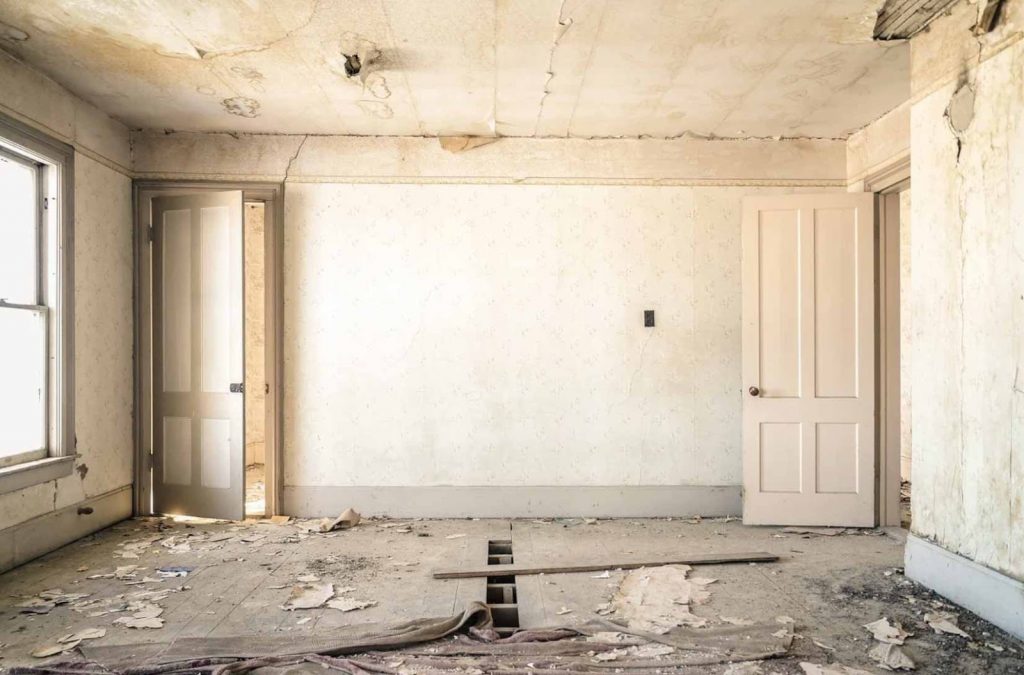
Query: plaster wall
pixel 103 295
pixel 476 318
pixel 967 288
pixel 255 337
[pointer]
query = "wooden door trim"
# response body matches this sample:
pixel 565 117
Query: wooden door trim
pixel 272 194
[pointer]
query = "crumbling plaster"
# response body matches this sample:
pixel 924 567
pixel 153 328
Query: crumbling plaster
pixel 563 68
pixel 967 288
pixel 103 293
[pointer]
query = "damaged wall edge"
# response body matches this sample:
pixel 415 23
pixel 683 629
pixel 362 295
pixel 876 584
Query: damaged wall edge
pixel 994 597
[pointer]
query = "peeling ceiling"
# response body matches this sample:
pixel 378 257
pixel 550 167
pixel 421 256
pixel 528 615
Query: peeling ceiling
pixel 559 68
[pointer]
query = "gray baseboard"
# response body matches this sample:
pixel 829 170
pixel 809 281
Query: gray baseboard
pixel 38 536
pixel 644 501
pixel 995 597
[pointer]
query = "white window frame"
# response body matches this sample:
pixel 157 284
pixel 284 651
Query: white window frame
pixel 54 165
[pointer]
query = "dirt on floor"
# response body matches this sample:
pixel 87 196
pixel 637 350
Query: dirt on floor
pixel 158 580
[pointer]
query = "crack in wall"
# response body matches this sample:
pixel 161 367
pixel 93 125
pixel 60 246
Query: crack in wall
pixel 564 24
pixel 288 168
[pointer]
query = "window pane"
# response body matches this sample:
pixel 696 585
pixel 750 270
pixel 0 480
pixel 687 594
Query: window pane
pixel 18 238
pixel 22 381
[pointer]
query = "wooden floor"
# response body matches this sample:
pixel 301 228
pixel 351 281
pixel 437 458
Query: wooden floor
pixel 243 572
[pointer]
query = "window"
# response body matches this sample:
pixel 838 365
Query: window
pixel 35 300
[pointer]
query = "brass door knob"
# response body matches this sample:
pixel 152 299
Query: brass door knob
pixel 754 391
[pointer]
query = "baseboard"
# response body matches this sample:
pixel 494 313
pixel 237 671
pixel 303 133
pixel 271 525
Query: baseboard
pixel 38 536
pixel 995 597
pixel 644 501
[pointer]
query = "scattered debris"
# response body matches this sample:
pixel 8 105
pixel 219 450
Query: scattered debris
pixel 603 575
pixel 891 633
pixel 308 596
pixel 736 621
pixel 945 622
pixel 350 604
pixel 174 571
pixel 658 599
pixel 349 518
pixel 47 600
pixel 891 657
pixel 564 610
pixel 455 536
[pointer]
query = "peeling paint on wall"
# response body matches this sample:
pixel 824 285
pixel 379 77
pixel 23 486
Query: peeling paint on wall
pixel 241 106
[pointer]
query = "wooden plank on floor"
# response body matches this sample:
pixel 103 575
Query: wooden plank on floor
pixel 522 570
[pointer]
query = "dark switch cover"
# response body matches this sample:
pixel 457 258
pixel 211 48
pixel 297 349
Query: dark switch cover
pixel 648 318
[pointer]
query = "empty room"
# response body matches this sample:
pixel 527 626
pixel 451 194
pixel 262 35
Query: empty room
pixel 511 336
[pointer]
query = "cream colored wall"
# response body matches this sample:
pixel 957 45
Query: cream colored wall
pixel 967 289
pixel 478 319
pixel 255 337
pixel 103 293
pixel 879 145
pixel 493 335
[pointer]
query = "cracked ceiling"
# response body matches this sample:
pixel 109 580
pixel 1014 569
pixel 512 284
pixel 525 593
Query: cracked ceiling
pixel 549 68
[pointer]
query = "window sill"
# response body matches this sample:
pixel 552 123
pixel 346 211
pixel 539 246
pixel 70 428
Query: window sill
pixel 27 474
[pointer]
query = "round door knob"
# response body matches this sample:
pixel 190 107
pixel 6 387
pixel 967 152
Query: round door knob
pixel 754 391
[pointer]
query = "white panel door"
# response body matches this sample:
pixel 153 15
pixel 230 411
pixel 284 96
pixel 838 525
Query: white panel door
pixel 809 360
pixel 198 444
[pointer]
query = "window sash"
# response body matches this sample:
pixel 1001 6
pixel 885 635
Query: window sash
pixel 39 188
pixel 54 165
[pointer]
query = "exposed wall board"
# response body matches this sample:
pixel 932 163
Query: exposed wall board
pixel 500 341
pixel 579 68
pixel 967 290
pixel 347 159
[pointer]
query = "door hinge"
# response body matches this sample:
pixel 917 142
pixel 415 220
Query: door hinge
pixel 149 233
pixel 237 388
pixel 266 387
pixel 46 203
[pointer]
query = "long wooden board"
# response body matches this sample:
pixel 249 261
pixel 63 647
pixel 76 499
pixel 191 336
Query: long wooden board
pixel 518 570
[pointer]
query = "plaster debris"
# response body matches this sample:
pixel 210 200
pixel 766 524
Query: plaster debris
pixel 659 599
pixel 455 536
pixel 891 657
pixel 349 518
pixel 891 633
pixel 309 596
pixel 564 610
pixel 945 622
pixel 47 600
pixel 242 106
pixel 174 571
pixel 350 604
pixel 736 621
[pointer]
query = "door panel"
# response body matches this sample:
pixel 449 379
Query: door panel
pixel 198 446
pixel 808 360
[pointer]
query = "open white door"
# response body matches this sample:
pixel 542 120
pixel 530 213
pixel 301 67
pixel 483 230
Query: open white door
pixel 809 360
pixel 198 444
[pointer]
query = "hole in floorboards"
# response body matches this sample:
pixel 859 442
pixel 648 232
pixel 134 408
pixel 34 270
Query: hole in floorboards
pixel 502 597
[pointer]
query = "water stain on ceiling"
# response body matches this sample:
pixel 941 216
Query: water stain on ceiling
pixel 547 68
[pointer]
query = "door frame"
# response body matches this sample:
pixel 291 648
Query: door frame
pixel 886 183
pixel 271 194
